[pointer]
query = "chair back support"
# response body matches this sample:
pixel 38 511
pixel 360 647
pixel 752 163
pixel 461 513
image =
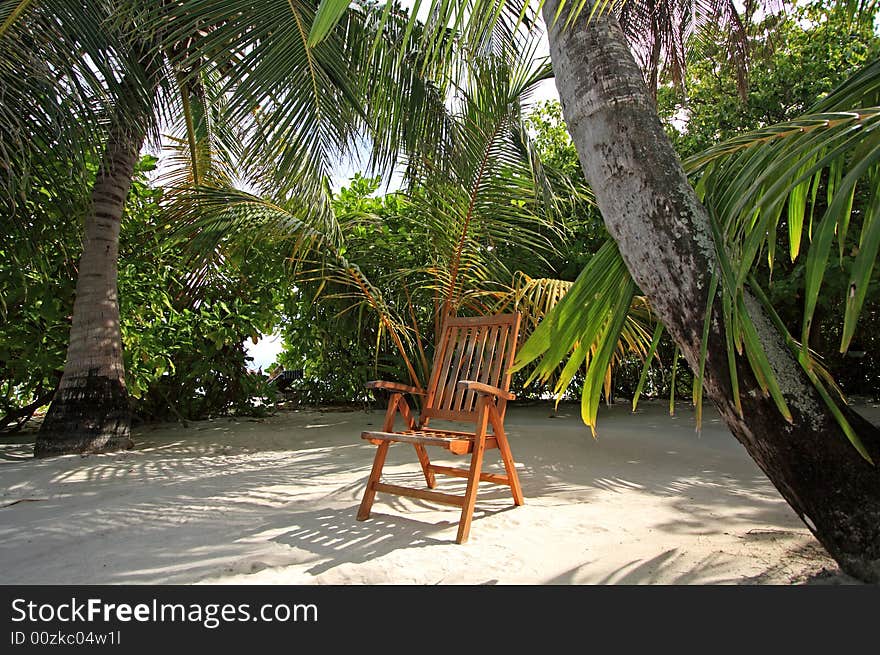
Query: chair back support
pixel 480 349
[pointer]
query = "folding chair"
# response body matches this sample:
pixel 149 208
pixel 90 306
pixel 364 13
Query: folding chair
pixel 469 383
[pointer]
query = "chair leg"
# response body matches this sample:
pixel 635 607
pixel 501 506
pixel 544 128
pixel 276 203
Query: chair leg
pixel 509 466
pixel 370 492
pixel 506 455
pixel 426 465
pixel 470 495
pixel 387 426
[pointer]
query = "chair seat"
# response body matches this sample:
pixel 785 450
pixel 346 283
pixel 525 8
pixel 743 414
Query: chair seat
pixel 460 443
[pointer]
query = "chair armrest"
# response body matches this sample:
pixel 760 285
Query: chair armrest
pixel 395 386
pixel 486 389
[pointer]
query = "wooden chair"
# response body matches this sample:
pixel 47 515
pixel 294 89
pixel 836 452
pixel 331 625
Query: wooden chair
pixel 469 383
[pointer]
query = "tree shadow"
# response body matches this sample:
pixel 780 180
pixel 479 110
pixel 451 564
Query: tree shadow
pixel 216 501
pixel 334 537
pixel 703 477
pixel 199 510
pixel 669 567
pixel 797 565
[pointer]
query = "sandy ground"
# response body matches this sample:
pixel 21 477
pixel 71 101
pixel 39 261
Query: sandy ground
pixel 273 501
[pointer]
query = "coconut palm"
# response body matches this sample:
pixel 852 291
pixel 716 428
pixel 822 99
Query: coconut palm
pixel 110 85
pixel 762 387
pixel 281 125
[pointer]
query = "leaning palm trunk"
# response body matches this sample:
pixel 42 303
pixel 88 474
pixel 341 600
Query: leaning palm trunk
pixel 90 412
pixel 664 236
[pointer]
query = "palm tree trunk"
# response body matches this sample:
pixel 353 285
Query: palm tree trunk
pixel 90 412
pixel 664 236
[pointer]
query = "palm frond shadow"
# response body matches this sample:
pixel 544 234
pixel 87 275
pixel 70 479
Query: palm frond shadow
pixel 657 570
pixel 334 537
pixel 211 505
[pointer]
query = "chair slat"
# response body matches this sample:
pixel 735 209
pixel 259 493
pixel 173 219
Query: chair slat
pixel 491 347
pixel 510 354
pixel 470 348
pixel 498 357
pixel 447 392
pixel 471 353
pixel 470 398
pixel 440 373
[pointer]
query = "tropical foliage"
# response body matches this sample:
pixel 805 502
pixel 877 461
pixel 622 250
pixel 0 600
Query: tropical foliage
pixel 776 113
pixel 559 341
pixel 368 278
pixel 184 355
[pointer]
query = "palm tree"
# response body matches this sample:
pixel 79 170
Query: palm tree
pixel 142 64
pixel 470 193
pixel 666 237
pixel 90 409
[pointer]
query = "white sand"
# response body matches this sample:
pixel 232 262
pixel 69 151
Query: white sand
pixel 274 502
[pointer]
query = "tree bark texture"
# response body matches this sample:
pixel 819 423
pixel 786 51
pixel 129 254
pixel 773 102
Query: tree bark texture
pixel 90 412
pixel 664 236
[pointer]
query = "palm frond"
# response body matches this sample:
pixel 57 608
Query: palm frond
pixel 750 180
pixel 583 329
pixel 317 252
pixel 483 189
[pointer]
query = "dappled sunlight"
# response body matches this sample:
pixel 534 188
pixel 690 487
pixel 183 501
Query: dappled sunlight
pixel 16 452
pixel 278 504
pixel 334 538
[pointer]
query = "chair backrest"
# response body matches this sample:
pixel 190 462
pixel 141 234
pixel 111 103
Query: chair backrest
pixel 479 349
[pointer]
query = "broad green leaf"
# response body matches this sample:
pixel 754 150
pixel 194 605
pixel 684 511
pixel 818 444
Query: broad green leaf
pixel 704 345
pixel 729 330
pixel 863 266
pixel 797 208
pixel 817 257
pixel 838 415
pixel 599 365
pixel 760 364
pixel 328 15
